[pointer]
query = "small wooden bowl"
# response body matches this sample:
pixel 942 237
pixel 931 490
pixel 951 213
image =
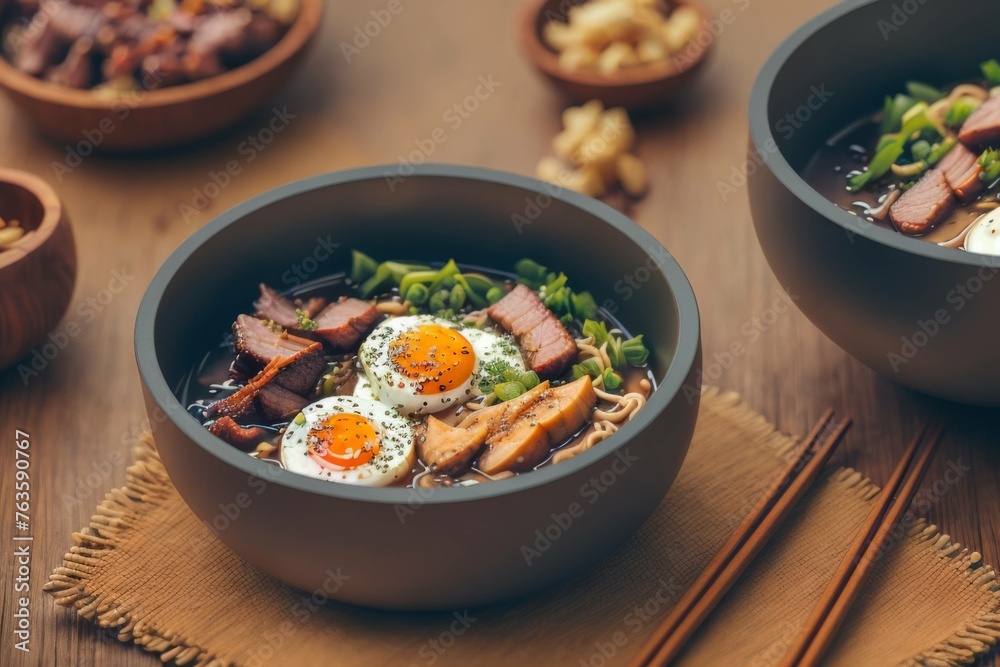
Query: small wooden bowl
pixel 38 274
pixel 166 117
pixel 639 87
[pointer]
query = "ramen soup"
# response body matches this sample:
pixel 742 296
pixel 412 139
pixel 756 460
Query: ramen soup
pixel 926 166
pixel 407 374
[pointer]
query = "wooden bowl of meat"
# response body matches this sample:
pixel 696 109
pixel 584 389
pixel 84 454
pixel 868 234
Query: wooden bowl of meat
pixel 142 74
pixel 37 264
pixel 630 53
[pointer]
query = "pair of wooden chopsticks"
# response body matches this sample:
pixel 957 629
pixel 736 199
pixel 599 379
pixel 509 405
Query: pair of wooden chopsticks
pixel 750 536
pixel 872 541
pixel 744 544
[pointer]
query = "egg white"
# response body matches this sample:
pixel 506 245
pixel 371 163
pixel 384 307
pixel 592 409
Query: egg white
pixel 984 237
pixel 394 460
pixel 380 377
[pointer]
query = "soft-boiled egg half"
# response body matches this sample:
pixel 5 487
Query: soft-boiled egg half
pixel 422 364
pixel 984 237
pixel 349 439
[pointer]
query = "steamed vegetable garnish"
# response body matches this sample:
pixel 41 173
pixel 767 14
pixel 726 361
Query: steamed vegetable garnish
pixel 405 373
pixel 990 162
pixel 927 167
pixel 892 113
pixel 991 70
pixel 554 292
pixel 362 267
pixel 305 322
pixel 923 92
pixel 959 111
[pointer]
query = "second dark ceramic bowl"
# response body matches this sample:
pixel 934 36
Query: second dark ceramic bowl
pixel 925 316
pixel 399 548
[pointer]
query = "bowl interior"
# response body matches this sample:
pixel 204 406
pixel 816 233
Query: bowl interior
pixel 19 203
pixel 839 67
pixel 306 230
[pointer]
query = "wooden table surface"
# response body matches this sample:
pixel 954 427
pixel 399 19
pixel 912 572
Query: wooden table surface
pixel 83 409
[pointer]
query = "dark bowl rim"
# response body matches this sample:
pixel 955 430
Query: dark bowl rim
pixel 687 349
pixel 761 136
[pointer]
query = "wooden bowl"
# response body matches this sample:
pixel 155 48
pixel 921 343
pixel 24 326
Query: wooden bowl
pixel 38 274
pixel 634 88
pixel 166 117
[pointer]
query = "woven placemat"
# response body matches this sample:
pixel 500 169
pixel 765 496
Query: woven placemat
pixel 149 569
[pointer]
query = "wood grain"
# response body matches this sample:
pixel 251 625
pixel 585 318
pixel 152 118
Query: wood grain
pixel 83 408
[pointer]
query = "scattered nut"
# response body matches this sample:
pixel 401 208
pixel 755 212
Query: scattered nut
pixel 9 235
pixel 610 35
pixel 592 152
pixel 631 174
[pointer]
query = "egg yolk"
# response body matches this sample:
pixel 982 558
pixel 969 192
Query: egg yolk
pixel 345 440
pixel 439 358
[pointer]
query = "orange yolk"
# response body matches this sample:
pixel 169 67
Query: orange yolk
pixel 345 440
pixel 439 358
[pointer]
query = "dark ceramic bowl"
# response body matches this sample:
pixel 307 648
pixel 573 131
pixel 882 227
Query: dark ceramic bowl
pixel 400 548
pixel 923 315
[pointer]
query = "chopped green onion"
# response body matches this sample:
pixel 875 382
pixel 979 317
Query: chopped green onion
pixel 635 351
pixel 529 379
pixel 940 150
pixel 612 381
pixel 495 294
pixel 990 162
pixel 510 374
pixel 920 150
pixel 437 301
pixel 477 300
pixel 379 280
pixel 917 110
pixel 399 270
pixel 991 70
pixel 584 306
pixel 508 390
pixel 456 299
pixel 959 111
pixel 887 155
pixel 924 92
pixel 587 367
pixel 410 279
pixel 530 272
pixel 305 323
pixel 442 277
pixel 417 294
pixel 892 113
pixel 362 267
pixel 479 283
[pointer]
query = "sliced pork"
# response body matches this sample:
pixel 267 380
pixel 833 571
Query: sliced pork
pixel 277 404
pixel 280 310
pixel 961 169
pixel 924 205
pixel 342 324
pixel 260 396
pixel 258 345
pixel 244 437
pixel 548 346
pixel 983 125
